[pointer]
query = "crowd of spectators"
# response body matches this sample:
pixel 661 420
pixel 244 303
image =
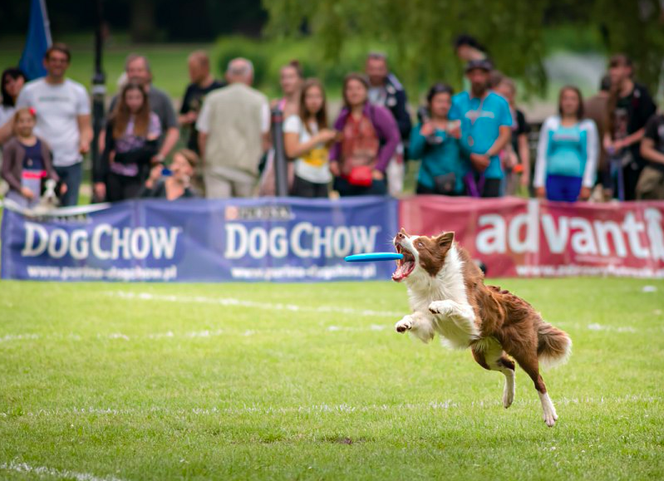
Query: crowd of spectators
pixel 470 143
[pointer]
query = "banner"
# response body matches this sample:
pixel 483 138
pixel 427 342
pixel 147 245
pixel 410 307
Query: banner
pixel 531 238
pixel 196 240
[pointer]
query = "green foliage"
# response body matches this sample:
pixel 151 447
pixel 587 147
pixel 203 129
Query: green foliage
pixel 422 32
pixel 178 385
pixel 572 38
pixel 269 55
pixel 232 47
pixel 636 29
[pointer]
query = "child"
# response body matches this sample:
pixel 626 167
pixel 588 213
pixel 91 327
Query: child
pixel 131 143
pixel 176 186
pixel 306 139
pixel 27 161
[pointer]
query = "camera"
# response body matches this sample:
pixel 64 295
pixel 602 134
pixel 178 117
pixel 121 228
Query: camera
pixel 424 117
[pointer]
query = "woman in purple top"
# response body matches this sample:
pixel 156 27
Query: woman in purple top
pixel 368 137
pixel 132 133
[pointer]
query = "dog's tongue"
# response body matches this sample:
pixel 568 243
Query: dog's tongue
pixel 401 271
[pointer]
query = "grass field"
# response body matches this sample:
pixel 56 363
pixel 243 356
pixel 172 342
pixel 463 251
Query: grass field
pixel 264 381
pixel 168 61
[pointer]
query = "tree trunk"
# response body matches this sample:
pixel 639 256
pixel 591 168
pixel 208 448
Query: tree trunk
pixel 143 26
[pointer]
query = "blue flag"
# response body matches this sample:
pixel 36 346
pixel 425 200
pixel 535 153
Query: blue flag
pixel 38 41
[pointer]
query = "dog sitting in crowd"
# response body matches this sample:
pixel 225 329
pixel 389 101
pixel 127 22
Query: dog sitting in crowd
pixel 448 296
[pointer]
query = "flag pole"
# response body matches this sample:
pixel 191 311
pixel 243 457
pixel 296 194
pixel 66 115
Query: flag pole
pixel 98 93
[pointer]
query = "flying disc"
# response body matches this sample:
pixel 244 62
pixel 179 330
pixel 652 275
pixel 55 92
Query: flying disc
pixel 374 256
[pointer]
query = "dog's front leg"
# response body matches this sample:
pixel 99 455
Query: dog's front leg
pixel 417 323
pixel 451 309
pixel 462 315
pixel 405 324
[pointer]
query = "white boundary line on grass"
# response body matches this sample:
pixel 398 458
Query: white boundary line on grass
pixel 266 306
pixel 330 408
pixel 55 473
pixel 205 333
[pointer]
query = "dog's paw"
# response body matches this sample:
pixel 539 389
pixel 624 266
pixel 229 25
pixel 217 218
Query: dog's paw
pixel 550 419
pixel 441 307
pixel 550 416
pixel 403 325
pixel 508 397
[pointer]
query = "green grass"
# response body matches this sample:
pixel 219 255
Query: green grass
pixel 161 388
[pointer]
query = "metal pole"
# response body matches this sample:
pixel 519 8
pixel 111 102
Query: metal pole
pixel 280 162
pixel 617 175
pixel 98 93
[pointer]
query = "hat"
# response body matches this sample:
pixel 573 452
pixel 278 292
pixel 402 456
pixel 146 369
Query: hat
pixel 483 64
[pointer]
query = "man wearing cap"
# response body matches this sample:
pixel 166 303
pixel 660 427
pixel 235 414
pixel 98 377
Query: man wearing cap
pixel 485 130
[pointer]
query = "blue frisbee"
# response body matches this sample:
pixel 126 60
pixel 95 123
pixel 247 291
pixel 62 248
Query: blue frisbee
pixel 374 256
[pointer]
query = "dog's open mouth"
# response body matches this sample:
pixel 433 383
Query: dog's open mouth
pixel 404 266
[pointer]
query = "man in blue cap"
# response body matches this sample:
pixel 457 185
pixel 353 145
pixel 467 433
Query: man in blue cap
pixel 485 130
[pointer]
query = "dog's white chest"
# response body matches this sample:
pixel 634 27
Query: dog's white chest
pixel 456 319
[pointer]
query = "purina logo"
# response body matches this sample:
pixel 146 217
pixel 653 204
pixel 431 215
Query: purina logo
pixel 258 213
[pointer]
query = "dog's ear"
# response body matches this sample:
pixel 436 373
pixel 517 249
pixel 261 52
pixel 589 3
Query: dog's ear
pixel 444 240
pixel 403 231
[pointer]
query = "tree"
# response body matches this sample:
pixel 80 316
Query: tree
pixel 143 27
pixel 422 31
pixel 635 28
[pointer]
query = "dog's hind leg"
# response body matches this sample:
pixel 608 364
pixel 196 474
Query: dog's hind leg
pixel 489 354
pixel 530 364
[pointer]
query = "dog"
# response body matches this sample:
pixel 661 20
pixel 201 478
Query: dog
pixel 48 201
pixel 448 296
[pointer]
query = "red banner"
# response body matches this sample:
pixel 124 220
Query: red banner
pixel 530 238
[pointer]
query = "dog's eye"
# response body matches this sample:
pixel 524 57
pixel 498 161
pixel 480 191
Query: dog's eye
pixel 419 244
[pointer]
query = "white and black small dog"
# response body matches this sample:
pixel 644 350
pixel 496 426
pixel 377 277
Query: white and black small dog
pixel 448 297
pixel 48 200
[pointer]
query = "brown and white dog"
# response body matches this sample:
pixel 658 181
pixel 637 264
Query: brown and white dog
pixel 448 297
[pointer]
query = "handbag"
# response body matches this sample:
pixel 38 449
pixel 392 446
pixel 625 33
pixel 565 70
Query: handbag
pixel 361 176
pixel 443 184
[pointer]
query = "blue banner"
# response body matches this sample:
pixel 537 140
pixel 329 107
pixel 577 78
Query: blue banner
pixel 37 42
pixel 268 239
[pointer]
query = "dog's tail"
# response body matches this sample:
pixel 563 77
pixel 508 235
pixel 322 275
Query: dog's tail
pixel 553 345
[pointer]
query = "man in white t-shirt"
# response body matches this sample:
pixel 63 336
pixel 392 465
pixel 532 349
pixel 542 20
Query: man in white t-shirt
pixel 233 132
pixel 63 118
